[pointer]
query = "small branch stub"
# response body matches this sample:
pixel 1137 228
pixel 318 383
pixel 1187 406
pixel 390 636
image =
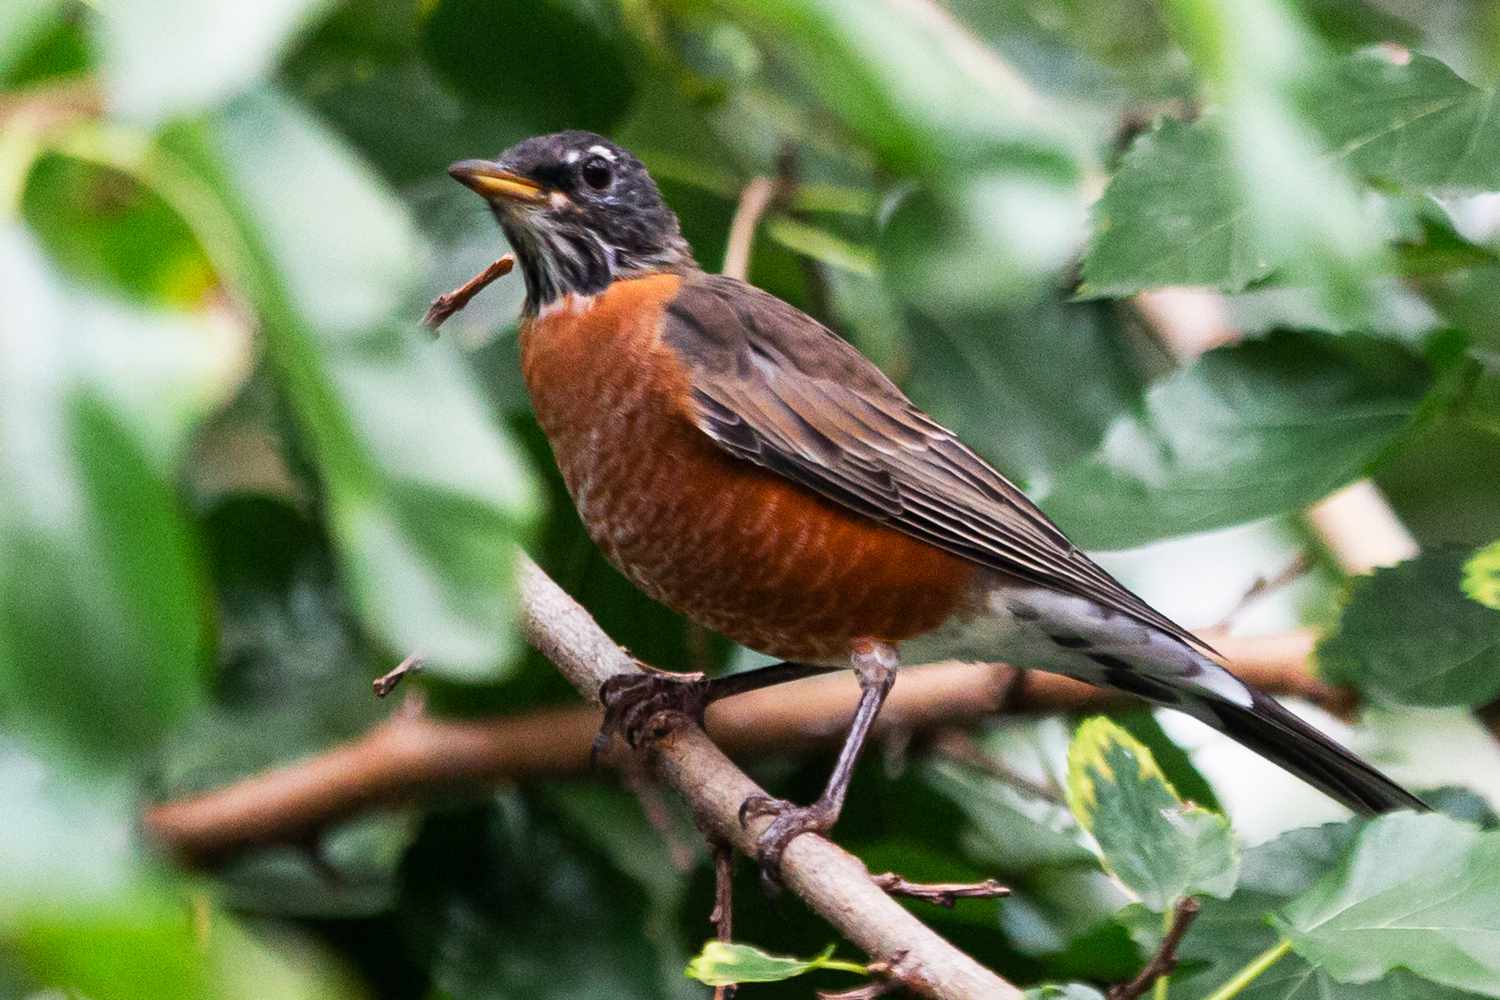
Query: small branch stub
pixel 1165 959
pixel 943 894
pixel 387 682
pixel 448 303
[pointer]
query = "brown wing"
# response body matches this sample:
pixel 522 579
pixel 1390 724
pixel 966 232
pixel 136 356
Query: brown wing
pixel 773 386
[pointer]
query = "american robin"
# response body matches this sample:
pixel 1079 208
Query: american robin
pixel 741 463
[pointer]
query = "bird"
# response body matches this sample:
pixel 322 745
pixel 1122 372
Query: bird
pixel 741 463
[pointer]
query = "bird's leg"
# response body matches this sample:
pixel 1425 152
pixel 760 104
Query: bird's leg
pixel 641 702
pixel 874 664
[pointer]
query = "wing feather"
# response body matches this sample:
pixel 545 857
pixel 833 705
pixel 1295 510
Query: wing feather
pixel 773 386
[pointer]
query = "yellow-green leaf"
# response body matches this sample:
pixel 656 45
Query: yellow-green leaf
pixel 1482 576
pixel 722 963
pixel 1158 846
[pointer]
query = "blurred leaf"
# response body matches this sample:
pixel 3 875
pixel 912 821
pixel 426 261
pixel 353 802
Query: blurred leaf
pixel 1161 848
pixel 980 240
pixel 102 632
pixel 1006 828
pixel 1180 187
pixel 1357 23
pixel 85 914
pixel 25 22
pixel 1302 211
pixel 1463 804
pixel 1175 763
pixel 575 75
pixel 1420 892
pixel 1409 634
pixel 1482 576
pixel 994 379
pixel 1172 215
pixel 364 72
pixel 722 963
pixel 502 903
pixel 1001 210
pixel 426 535
pixel 1070 991
pixel 1247 431
pixel 165 58
pixel 94 222
pixel 1415 123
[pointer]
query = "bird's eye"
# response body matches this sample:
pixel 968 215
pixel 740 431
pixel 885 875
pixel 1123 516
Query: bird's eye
pixel 596 173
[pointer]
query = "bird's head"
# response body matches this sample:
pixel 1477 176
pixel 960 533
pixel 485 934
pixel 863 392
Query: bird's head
pixel 579 212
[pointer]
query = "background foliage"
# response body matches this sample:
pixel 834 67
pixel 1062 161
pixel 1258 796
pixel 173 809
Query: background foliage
pixel 236 482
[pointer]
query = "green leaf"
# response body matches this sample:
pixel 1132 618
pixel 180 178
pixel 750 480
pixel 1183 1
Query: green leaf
pixel 991 377
pixel 84 912
pixel 1420 892
pixel 1409 634
pixel 164 58
pixel 722 963
pixel 1247 431
pixel 1228 934
pixel 1482 576
pixel 578 74
pixel 1161 848
pixel 1181 211
pixel 428 497
pixel 507 904
pixel 1172 215
pixel 1001 207
pixel 101 635
pixel 1415 123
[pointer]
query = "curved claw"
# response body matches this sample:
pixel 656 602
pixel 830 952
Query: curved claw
pixel 790 822
pixel 640 704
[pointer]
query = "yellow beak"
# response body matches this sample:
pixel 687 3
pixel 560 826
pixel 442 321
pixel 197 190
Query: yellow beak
pixel 489 180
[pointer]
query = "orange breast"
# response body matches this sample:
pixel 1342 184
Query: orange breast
pixel 732 546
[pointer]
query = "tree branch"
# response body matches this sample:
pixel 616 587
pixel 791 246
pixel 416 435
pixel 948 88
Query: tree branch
pixel 831 881
pixel 411 755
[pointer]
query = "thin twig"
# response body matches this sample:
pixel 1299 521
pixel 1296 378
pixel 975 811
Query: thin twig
pixel 722 915
pixel 681 853
pixel 1165 959
pixel 387 682
pixel 448 303
pixel 944 894
pixel 758 197
pixel 959 746
pixel 883 984
pixel 1299 567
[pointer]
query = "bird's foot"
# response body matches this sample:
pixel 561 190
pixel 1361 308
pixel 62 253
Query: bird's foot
pixel 790 822
pixel 649 704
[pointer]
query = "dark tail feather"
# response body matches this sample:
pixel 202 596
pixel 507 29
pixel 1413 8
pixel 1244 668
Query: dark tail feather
pixel 1278 735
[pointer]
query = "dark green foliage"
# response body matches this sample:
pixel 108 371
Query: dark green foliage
pixel 237 482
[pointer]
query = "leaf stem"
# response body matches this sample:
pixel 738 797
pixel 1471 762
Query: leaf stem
pixel 1252 971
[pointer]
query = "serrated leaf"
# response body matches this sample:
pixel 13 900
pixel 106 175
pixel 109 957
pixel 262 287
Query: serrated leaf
pixel 1249 431
pixel 1178 212
pixel 1409 634
pixel 723 963
pixel 1161 848
pixel 1420 892
pixel 1482 576
pixel 1415 122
